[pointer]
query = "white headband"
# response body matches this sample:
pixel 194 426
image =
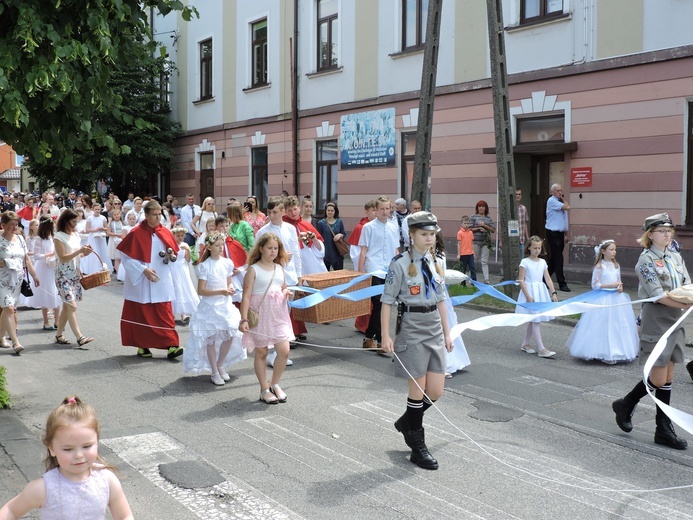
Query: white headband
pixel 599 247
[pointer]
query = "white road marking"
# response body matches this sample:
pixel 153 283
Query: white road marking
pixel 226 500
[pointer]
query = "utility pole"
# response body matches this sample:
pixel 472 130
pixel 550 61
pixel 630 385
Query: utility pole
pixel 507 208
pixel 421 181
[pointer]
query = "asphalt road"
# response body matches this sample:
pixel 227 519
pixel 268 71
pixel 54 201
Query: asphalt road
pixel 516 436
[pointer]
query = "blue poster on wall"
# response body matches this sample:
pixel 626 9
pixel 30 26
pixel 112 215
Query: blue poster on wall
pixel 367 139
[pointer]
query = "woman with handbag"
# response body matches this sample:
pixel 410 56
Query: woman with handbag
pixel 14 259
pixel 68 249
pixel 336 248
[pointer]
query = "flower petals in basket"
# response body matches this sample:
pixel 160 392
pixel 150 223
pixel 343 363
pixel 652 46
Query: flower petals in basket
pixel 98 278
pixel 683 294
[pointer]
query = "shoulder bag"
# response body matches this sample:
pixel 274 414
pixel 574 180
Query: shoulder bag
pixel 254 315
pixel 341 245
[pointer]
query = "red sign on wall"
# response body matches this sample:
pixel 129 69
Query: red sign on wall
pixel 581 177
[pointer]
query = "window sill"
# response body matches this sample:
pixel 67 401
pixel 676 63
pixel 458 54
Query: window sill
pixel 203 101
pixel 543 21
pixel 325 72
pixel 257 87
pixel 408 52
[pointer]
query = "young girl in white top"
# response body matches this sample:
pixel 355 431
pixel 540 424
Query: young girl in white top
pixel 209 227
pixel 131 222
pixel 67 489
pixel 608 334
pixel 186 300
pixel 214 343
pixel 82 226
pixel 96 228
pixel 115 234
pixel 46 296
pixel 533 273
pixel 32 240
pixel 264 291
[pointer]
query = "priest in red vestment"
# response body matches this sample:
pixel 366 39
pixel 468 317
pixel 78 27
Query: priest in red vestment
pixel 147 252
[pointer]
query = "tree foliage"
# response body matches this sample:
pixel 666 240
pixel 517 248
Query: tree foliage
pixel 56 62
pixel 140 125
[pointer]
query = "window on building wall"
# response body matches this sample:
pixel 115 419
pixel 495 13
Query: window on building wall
pixel 541 129
pixel 414 16
pixel 259 175
pixel 407 164
pixel 328 34
pixel 326 181
pixel 206 69
pixel 537 10
pixel 689 167
pixel 259 57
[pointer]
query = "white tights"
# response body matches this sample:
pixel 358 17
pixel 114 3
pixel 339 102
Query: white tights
pixel 534 329
pixel 217 362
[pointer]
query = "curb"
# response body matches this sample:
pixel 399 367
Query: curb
pixel 21 446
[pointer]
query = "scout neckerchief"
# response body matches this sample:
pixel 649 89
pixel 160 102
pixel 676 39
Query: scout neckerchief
pixel 429 281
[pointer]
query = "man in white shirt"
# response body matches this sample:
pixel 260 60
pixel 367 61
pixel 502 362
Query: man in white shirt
pixel 379 243
pixel 187 215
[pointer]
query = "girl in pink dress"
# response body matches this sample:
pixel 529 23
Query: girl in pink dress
pixel 264 290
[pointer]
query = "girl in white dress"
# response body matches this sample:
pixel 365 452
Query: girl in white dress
pixel 115 234
pixel 264 290
pixel 533 273
pixel 608 334
pixel 186 300
pixel 82 226
pixel 32 240
pixel 96 228
pixel 458 358
pixel 214 343
pixel 131 222
pixel 46 296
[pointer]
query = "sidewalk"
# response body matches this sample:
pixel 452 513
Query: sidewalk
pixel 21 455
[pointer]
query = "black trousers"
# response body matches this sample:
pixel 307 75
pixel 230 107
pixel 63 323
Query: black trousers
pixel 374 331
pixel 556 242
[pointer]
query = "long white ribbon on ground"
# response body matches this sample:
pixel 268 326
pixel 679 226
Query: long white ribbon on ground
pixel 683 419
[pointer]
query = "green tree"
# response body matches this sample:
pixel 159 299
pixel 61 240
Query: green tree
pixel 56 62
pixel 140 125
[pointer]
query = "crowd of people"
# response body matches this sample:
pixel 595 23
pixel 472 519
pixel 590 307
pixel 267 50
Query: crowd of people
pixel 226 274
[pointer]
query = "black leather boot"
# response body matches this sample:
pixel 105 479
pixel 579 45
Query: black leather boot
pixel 665 434
pixel 419 452
pixel 624 413
pixel 402 426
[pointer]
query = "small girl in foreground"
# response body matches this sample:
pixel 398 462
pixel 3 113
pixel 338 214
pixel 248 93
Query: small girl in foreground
pixel 264 290
pixel 415 283
pixel 608 334
pixel 533 273
pixel 214 343
pixel 77 484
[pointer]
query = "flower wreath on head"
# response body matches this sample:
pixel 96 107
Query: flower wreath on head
pixel 598 248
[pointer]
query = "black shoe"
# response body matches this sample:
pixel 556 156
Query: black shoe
pixel 689 367
pixel 301 337
pixel 402 427
pixel 624 414
pixel 174 352
pixel 666 436
pixel 564 288
pixel 419 452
